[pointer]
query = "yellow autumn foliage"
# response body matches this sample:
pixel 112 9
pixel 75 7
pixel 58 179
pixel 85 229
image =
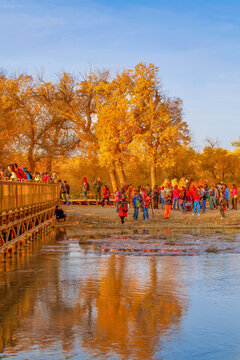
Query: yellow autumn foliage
pixel 121 125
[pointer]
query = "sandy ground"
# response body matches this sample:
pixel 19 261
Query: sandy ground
pixel 107 217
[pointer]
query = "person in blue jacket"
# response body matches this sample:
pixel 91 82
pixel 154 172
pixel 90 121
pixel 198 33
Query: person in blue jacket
pixel 136 204
pixel 226 193
pixel 27 173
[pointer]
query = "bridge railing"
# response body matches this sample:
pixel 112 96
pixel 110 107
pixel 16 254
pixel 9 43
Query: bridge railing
pixel 15 195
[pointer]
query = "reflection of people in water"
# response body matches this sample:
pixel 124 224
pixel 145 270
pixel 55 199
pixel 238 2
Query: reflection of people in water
pixel 59 213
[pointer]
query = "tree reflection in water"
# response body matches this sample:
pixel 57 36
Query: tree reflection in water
pixel 103 305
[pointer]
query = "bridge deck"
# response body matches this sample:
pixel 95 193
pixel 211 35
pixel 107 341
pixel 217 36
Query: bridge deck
pixel 24 209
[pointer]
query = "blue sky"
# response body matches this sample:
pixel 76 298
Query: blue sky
pixel 195 44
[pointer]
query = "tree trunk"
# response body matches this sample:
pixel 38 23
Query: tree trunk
pixel 121 175
pixel 153 175
pixel 31 161
pixel 113 178
pixel 49 164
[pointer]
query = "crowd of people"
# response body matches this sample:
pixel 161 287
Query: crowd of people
pixel 188 197
pixel 15 173
pixel 194 197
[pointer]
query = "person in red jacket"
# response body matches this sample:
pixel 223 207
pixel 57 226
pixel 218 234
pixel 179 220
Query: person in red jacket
pixel 196 197
pixel 176 193
pixel 146 204
pixel 19 172
pixel 123 209
pixel 106 196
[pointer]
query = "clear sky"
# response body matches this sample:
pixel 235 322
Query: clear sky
pixel 195 44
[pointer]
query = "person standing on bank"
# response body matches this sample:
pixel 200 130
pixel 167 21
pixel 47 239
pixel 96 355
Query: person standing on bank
pixel 167 206
pixel 97 188
pixel 67 187
pixel 86 187
pixel 136 204
pixel 234 197
pixel 226 194
pixel 176 193
pixel 196 199
pixel 162 197
pixel 147 201
pixel 222 203
pixel 62 191
pixel 123 209
pixel 106 196
pixel 155 197
pixel 118 197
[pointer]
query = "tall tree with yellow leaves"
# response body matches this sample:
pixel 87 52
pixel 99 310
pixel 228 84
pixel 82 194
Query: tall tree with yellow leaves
pixel 33 118
pixel 75 100
pixel 114 129
pixel 160 128
pixel 9 128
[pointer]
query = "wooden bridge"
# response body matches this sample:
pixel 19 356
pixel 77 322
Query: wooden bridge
pixel 25 210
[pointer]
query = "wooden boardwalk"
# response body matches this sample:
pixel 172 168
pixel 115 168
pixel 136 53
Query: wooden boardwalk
pixel 25 210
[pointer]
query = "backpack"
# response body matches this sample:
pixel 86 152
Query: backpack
pixel 138 204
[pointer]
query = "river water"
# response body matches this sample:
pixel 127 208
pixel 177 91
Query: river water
pixel 63 300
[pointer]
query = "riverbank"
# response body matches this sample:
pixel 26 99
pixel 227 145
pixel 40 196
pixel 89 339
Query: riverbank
pixel 99 229
pixel 97 217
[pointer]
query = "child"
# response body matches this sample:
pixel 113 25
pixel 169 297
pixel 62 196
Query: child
pixel 123 209
pixel 147 201
pixel 168 206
